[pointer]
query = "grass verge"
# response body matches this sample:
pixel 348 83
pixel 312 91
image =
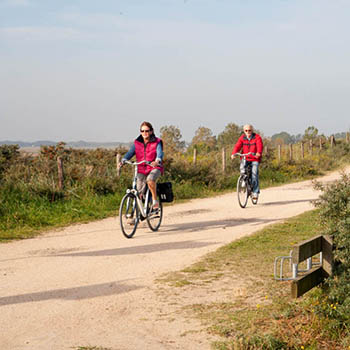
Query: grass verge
pixel 266 317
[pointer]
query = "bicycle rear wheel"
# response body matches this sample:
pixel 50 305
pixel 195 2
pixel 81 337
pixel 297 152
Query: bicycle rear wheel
pixel 129 215
pixel 154 218
pixel 242 191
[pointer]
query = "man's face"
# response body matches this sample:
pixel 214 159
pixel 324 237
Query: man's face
pixel 248 131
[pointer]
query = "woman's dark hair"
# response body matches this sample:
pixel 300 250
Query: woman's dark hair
pixel 148 124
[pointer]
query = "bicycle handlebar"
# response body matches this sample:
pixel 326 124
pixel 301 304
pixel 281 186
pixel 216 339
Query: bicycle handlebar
pixel 244 154
pixel 137 163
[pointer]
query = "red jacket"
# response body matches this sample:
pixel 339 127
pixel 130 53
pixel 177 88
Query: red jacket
pixel 146 152
pixel 254 145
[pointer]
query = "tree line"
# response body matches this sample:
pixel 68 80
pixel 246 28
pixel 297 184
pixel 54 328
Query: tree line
pixel 204 141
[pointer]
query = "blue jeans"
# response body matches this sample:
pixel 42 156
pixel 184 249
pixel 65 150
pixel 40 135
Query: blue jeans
pixel 255 175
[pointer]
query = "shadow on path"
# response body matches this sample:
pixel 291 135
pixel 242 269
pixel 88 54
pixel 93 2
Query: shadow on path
pixel 76 293
pixel 213 224
pixel 142 249
pixel 286 202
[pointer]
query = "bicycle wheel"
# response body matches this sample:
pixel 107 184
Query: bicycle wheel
pixel 154 218
pixel 129 215
pixel 242 191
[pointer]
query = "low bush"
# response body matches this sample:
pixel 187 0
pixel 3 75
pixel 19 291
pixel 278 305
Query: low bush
pixel 334 205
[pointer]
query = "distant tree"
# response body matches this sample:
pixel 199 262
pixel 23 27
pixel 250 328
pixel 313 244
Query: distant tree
pixel 171 136
pixel 340 135
pixel 282 138
pixel 229 136
pixel 203 141
pixel 311 133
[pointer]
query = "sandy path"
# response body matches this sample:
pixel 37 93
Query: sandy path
pixel 87 285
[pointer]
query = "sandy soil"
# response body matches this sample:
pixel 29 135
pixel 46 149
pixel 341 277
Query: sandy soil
pixel 87 285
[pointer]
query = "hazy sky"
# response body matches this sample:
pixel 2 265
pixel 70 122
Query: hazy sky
pixel 94 70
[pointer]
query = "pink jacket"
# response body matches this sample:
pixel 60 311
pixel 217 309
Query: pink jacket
pixel 147 152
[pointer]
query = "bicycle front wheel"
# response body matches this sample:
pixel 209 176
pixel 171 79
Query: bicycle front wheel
pixel 154 218
pixel 129 215
pixel 242 191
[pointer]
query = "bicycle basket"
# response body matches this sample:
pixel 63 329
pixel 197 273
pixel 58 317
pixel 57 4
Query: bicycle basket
pixel 165 191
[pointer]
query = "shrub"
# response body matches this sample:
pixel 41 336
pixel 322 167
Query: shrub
pixel 334 206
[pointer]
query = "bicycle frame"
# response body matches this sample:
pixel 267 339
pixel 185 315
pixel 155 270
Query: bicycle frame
pixel 244 160
pixel 142 206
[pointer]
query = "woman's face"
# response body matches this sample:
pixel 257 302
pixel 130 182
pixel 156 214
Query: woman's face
pixel 146 132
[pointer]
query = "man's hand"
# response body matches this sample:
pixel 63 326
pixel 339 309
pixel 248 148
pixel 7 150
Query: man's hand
pixel 257 154
pixel 232 156
pixel 155 163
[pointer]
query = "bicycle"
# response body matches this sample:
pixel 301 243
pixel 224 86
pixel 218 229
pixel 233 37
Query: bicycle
pixel 244 182
pixel 134 209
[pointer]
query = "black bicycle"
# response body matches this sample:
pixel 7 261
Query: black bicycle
pixel 134 208
pixel 244 182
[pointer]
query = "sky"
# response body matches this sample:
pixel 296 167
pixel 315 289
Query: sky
pixel 94 70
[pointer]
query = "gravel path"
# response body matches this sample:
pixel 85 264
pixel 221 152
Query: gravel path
pixel 87 285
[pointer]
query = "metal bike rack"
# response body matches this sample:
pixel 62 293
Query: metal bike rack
pixel 293 267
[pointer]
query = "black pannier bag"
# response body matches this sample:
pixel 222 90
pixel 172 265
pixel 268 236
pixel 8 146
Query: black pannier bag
pixel 165 191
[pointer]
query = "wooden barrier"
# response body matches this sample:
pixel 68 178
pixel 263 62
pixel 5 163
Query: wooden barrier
pixel 314 276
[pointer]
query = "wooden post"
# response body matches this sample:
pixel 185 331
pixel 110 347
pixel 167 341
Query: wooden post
pixel 279 152
pixel 320 141
pixel 266 149
pixel 223 160
pixel 347 137
pixel 60 173
pixel 194 156
pixel 310 147
pixel 332 141
pixel 290 151
pixel 117 160
pixel 302 149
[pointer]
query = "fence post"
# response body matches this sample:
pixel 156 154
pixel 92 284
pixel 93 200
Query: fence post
pixel 279 152
pixel 332 141
pixel 310 147
pixel 347 137
pixel 302 149
pixel 290 151
pixel 223 160
pixel 194 156
pixel 320 141
pixel 117 160
pixel 266 149
pixel 60 173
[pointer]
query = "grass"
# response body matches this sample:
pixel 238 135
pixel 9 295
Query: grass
pixel 27 218
pixel 267 317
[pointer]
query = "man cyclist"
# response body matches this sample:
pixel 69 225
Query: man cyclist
pixel 147 147
pixel 250 142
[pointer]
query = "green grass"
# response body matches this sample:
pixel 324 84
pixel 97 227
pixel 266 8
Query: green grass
pixel 267 317
pixel 25 218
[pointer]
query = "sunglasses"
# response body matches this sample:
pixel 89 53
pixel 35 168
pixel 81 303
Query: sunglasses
pixel 148 130
pixel 248 130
